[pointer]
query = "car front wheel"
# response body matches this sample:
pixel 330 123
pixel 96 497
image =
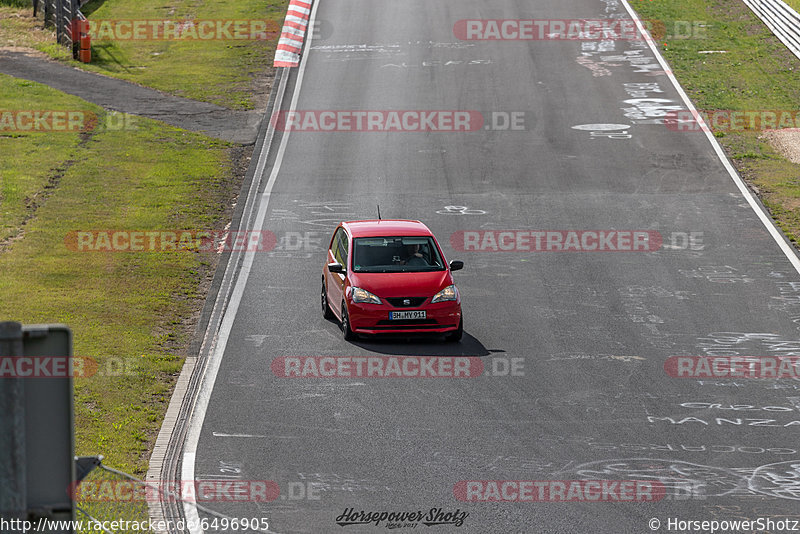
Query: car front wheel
pixel 347 332
pixel 326 308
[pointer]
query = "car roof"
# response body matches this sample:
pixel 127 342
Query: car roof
pixel 386 227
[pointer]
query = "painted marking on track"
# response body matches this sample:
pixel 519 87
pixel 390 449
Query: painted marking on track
pixel 627 358
pixel 250 436
pixel 775 480
pixel 601 127
pixel 748 195
pixel 460 210
pixel 220 342
pixel 256 339
pixel 438 63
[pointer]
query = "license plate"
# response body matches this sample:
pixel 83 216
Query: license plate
pixel 397 316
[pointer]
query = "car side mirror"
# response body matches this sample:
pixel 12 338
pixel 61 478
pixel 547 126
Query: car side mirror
pixel 336 267
pixel 455 265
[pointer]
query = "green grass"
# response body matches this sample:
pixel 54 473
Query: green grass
pixel 19 28
pixel 794 4
pixel 217 71
pixel 122 307
pixel 757 72
pixel 224 72
pixel 131 311
pixel 24 177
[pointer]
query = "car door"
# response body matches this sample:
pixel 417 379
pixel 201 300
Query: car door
pixel 338 253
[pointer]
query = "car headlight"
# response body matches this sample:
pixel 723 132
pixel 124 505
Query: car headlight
pixel 362 295
pixel 448 293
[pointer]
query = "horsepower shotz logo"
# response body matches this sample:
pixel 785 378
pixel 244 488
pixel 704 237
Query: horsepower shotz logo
pixel 433 517
pixel 377 366
pixel 377 121
pixel 556 240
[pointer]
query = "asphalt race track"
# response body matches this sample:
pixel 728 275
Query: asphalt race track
pixel 587 333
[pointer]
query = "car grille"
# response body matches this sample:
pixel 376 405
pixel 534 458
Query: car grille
pixel 398 302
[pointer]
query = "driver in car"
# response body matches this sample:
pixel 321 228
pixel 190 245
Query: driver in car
pixel 413 256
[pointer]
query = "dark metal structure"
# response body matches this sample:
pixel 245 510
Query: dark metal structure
pixel 36 426
pixel 59 14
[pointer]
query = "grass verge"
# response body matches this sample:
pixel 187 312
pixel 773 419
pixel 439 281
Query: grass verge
pixel 756 72
pixel 130 312
pixel 218 71
pixel 15 3
pixel 794 4
pixel 18 28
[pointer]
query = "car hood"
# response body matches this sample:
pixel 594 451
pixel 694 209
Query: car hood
pixel 386 285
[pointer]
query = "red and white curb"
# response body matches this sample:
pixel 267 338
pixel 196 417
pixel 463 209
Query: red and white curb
pixel 294 30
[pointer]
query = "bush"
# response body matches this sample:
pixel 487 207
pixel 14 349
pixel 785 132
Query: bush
pixel 17 3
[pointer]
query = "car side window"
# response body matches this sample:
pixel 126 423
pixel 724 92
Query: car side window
pixel 339 247
pixel 343 248
pixel 335 244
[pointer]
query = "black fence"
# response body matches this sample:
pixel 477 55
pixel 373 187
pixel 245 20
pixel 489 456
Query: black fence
pixel 59 14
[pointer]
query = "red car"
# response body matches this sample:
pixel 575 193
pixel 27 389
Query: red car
pixel 390 277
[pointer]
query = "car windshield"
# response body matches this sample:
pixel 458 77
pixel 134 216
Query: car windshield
pixel 396 255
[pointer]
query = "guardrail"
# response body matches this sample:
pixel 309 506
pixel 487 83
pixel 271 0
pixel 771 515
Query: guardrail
pixel 59 14
pixel 64 16
pixel 781 19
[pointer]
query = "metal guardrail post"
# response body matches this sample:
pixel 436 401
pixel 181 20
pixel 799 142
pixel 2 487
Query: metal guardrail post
pixel 36 426
pixel 13 474
pixel 61 14
pixel 60 22
pixel 781 19
pixel 49 420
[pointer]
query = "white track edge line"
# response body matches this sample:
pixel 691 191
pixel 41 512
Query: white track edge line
pixel 212 368
pixel 773 230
